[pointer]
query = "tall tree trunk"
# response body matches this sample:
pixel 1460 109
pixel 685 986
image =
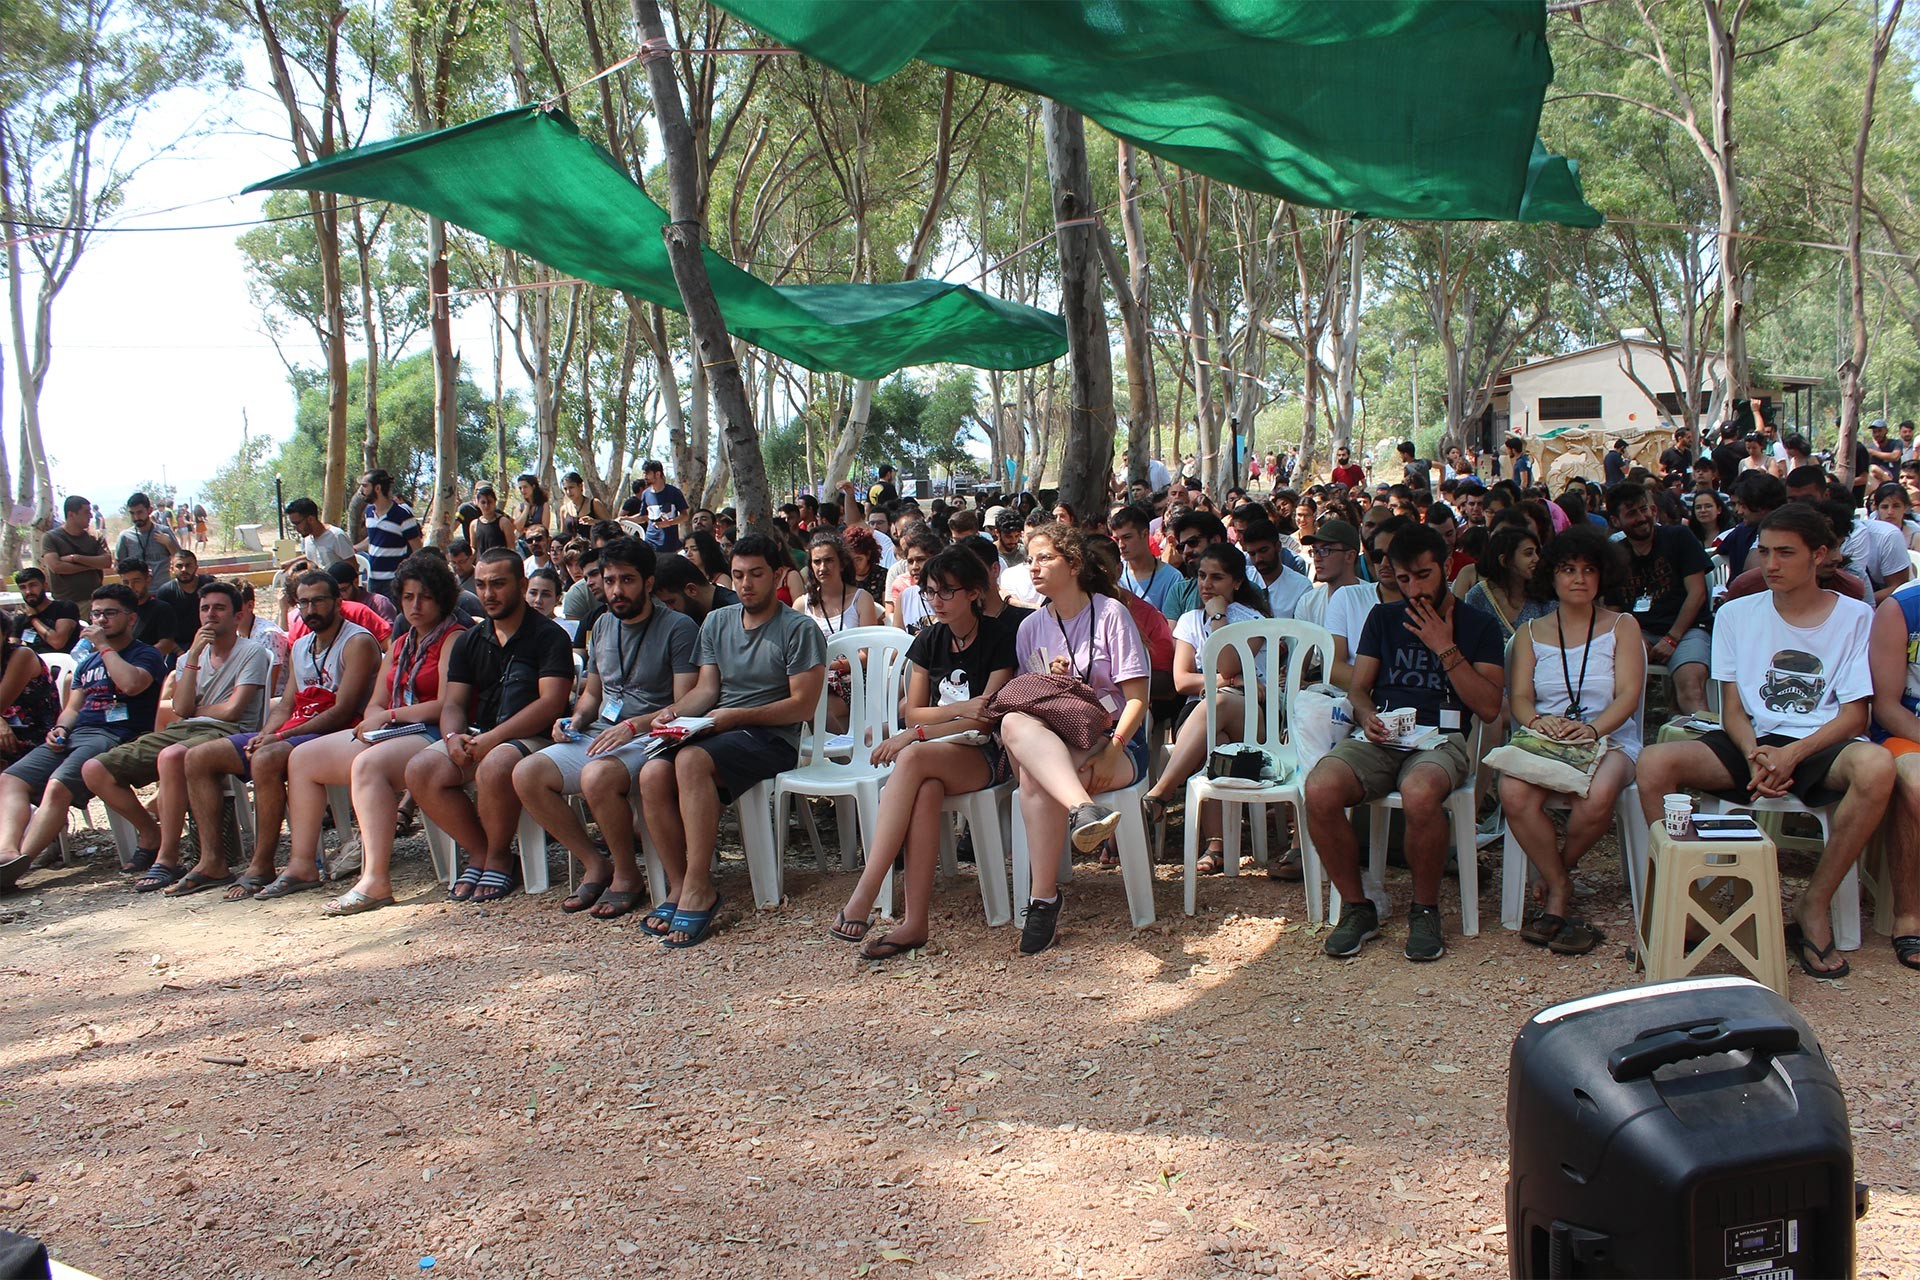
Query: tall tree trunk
pixel 852 435
pixel 1088 461
pixel 1143 400
pixel 1854 365
pixel 446 368
pixel 1349 348
pixel 1721 36
pixel 9 531
pixel 712 346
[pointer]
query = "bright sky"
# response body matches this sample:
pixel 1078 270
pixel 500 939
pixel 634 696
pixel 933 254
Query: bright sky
pixel 159 355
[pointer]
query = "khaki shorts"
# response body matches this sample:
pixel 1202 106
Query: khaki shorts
pixel 137 763
pixel 1380 769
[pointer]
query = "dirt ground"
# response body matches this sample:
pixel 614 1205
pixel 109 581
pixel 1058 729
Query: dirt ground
pixel 198 1089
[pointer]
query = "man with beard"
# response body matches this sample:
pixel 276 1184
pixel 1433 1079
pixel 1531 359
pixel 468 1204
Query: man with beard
pixel 1666 592
pixel 146 541
pixel 181 593
pixel 332 668
pixel 47 625
pixel 1429 654
pixel 1193 532
pixel 640 658
pixel 1260 540
pixel 682 586
pixel 761 668
pixel 507 682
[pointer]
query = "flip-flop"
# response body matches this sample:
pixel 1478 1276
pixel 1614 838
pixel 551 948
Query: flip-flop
pixel 886 949
pixel 11 871
pixel 695 924
pixel 1906 949
pixel 661 915
pixel 617 903
pixel 1575 938
pixel 1801 945
pixel 353 903
pixel 1543 929
pixel 143 860
pixel 157 876
pixel 195 882
pixel 243 889
pixel 284 886
pixel 583 897
pixel 469 880
pixel 848 930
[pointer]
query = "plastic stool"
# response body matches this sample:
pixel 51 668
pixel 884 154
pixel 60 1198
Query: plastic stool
pixel 1752 931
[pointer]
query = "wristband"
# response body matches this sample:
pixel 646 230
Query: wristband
pixel 188 666
pixel 633 726
pixel 920 732
pixel 1672 640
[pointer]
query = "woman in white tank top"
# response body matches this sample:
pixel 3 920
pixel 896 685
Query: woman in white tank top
pixel 835 603
pixel 1576 675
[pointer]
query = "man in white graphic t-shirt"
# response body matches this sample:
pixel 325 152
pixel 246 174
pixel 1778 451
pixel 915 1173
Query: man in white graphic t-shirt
pixel 1797 689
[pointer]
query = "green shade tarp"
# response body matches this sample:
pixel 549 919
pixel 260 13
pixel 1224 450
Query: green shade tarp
pixel 526 179
pixel 1417 109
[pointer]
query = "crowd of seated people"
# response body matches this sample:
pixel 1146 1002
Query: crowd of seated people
pixel 525 668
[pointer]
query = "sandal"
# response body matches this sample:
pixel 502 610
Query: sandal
pixel 695 924
pixel 585 896
pixel 1575 938
pixel 1154 810
pixel 614 904
pixel 1543 928
pixel 285 885
pixel 13 868
pixel 245 887
pixel 1906 949
pixel 157 876
pixel 1110 854
pixel 143 859
pixel 1802 946
pixel 494 885
pixel 662 916
pixel 353 903
pixel 848 930
pixel 469 880
pixel 1287 867
pixel 195 881
pixel 886 949
pixel 1214 860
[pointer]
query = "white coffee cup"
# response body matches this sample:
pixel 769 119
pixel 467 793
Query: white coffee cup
pixel 1679 809
pixel 1399 724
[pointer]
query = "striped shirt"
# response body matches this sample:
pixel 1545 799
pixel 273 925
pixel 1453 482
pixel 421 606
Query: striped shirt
pixel 387 539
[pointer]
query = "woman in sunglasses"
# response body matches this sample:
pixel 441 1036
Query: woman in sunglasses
pixel 959 660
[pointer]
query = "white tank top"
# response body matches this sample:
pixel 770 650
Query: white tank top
pixel 324 673
pixel 1553 697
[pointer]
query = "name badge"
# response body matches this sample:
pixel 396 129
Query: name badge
pixel 1643 604
pixel 117 713
pixel 1449 718
pixel 610 710
pixel 1112 703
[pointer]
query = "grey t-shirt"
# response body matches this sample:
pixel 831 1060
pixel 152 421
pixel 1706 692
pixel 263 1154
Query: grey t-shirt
pixel 636 662
pixel 137 544
pixel 755 665
pixel 249 662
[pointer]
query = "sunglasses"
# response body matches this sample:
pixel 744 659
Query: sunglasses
pixel 1378 553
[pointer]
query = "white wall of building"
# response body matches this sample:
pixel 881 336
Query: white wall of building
pixel 1596 372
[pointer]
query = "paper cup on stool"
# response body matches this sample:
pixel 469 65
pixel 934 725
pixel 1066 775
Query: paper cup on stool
pixel 1679 814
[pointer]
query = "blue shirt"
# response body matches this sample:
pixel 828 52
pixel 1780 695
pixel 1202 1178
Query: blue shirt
pixel 100 694
pixel 1154 589
pixel 668 504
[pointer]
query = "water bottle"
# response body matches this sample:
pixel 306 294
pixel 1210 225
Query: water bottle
pixel 83 651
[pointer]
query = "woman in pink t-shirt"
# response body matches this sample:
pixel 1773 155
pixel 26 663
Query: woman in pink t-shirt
pixel 1086 632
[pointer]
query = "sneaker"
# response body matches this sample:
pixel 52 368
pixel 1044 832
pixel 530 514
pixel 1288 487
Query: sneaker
pixel 1036 935
pixel 1359 924
pixel 1425 938
pixel 1091 824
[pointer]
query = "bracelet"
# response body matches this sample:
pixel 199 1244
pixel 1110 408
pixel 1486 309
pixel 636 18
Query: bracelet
pixel 633 725
pixel 920 732
pixel 188 666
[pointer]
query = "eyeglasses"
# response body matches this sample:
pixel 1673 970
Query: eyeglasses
pixel 942 594
pixel 103 615
pixel 311 602
pixel 1329 549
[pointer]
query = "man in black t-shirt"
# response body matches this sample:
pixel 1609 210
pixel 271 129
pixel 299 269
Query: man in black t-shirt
pixel 181 593
pixel 46 625
pixel 155 623
pixel 1429 655
pixel 1677 457
pixel 1666 592
pixel 507 682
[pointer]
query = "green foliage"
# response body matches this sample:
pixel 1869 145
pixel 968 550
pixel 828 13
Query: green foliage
pixel 241 489
pixel 406 428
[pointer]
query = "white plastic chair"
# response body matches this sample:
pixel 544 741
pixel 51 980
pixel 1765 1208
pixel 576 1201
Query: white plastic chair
pixel 1845 913
pixel 877 656
pixel 61 667
pixel 126 840
pixel 1459 807
pixel 1516 871
pixel 1136 855
pixel 1264 726
pixel 988 815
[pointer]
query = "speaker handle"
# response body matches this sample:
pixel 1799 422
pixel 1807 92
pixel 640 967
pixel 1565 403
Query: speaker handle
pixel 1664 1048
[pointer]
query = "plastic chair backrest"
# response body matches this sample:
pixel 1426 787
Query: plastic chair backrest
pixel 1266 729
pixel 873 705
pixel 61 667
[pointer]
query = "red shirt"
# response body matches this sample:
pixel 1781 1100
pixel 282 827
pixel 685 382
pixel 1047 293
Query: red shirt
pixel 352 611
pixel 1350 475
pixel 1155 630
pixel 1456 562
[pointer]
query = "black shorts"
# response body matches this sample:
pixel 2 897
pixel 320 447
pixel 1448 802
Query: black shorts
pixel 744 758
pixel 1809 784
